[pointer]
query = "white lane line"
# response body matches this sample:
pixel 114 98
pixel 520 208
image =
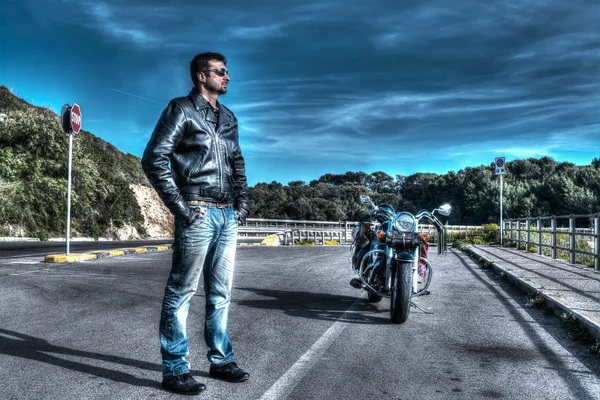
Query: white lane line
pixel 59 274
pixel 29 255
pixel 30 272
pixel 284 386
pixel 23 262
pixel 76 275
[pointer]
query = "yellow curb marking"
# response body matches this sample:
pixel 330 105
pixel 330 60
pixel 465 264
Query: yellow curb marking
pixel 271 240
pixel 69 258
pixel 73 257
pixel 137 249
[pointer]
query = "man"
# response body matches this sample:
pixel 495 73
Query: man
pixel 194 162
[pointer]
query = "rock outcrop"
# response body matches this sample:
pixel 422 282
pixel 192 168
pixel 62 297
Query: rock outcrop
pixel 158 220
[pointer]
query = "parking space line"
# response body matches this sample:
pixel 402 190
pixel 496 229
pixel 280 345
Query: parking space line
pixel 290 379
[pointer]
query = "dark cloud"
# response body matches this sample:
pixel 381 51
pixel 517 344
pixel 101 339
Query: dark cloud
pixel 330 86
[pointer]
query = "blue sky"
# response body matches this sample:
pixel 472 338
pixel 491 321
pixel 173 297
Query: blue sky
pixel 326 86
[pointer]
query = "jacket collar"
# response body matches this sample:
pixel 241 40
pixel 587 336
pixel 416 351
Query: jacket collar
pixel 200 103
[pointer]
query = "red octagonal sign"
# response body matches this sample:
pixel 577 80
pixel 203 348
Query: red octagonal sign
pixel 75 118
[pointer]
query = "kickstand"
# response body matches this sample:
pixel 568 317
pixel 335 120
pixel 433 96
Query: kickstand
pixel 417 307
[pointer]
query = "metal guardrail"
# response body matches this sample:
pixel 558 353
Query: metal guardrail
pixel 532 232
pixel 291 230
pixel 320 231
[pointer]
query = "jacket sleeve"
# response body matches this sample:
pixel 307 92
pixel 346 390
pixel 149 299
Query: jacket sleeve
pixel 242 199
pixel 155 161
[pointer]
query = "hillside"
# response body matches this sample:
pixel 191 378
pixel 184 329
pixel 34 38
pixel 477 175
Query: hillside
pixel 110 195
pixel 532 187
pixel 112 198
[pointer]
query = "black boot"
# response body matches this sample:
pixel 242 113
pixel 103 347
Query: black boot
pixel 229 372
pixel 183 384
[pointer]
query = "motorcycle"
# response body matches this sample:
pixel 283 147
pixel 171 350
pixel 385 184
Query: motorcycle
pixel 390 256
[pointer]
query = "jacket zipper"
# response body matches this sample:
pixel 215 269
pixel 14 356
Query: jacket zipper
pixel 193 168
pixel 218 146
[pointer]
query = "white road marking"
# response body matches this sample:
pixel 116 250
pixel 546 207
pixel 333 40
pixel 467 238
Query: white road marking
pixel 29 255
pixel 288 381
pixel 30 272
pixel 59 274
pixel 23 262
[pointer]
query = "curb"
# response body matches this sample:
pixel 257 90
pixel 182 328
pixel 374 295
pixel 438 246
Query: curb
pixel 92 255
pixel 96 254
pixel 553 303
pixel 270 240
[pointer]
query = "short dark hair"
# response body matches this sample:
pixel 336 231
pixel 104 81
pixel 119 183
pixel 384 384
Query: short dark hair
pixel 200 63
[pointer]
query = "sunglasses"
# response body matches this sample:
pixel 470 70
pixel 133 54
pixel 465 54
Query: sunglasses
pixel 219 71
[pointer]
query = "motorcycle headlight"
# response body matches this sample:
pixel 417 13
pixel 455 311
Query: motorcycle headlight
pixel 404 222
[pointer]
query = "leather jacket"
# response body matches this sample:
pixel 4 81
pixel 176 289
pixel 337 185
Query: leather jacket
pixel 191 156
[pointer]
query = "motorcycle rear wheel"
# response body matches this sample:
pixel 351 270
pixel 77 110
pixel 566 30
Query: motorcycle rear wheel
pixel 401 292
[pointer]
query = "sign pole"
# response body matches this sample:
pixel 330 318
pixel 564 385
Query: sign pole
pixel 71 123
pixel 69 192
pixel 500 165
pixel 501 225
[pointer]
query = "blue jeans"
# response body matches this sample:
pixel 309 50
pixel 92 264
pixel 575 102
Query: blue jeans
pixel 206 247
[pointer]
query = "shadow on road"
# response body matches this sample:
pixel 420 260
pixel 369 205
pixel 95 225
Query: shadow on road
pixel 324 306
pixel 24 346
pixel 554 360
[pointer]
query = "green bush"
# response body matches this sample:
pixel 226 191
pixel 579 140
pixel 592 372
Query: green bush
pixel 43 235
pixel 488 235
pixel 304 242
pixel 34 174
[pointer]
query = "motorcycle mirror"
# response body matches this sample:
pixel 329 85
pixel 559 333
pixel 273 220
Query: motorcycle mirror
pixel 445 209
pixel 365 199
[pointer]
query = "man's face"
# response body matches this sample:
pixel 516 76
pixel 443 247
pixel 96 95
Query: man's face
pixel 216 78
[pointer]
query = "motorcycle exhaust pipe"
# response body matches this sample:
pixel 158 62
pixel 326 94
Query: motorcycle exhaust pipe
pixel 362 270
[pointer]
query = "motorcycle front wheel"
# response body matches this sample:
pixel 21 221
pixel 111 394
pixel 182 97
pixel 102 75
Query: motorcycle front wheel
pixel 401 292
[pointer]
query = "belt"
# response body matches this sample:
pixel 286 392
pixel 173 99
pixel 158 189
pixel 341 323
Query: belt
pixel 209 204
pixel 195 190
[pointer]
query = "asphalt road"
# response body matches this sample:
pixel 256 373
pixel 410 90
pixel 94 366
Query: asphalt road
pixel 89 331
pixel 14 250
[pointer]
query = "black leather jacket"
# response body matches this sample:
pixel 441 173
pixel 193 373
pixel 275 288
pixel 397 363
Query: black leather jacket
pixel 206 162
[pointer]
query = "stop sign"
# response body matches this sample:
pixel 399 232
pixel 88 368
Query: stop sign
pixel 75 118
